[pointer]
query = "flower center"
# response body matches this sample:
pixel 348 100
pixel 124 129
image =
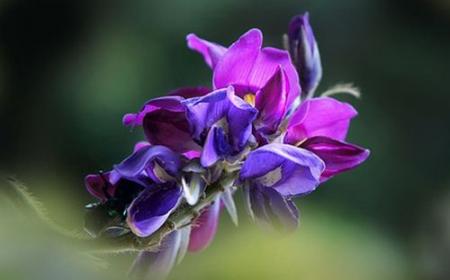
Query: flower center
pixel 250 98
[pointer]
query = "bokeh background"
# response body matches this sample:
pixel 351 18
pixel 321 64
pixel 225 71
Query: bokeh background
pixel 69 70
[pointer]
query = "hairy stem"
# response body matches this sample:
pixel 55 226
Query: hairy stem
pixel 129 242
pixel 182 217
pixel 20 194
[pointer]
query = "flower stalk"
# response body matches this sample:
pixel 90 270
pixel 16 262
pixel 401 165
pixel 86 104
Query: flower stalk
pixel 182 217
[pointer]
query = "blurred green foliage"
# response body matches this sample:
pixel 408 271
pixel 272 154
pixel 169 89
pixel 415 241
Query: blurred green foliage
pixel 69 70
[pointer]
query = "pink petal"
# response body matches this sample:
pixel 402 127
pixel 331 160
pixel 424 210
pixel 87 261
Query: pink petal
pixel 189 92
pixel 320 117
pixel 204 228
pixel 265 66
pixel 245 65
pixel 211 52
pixel 236 65
pixel 338 156
pixel 271 102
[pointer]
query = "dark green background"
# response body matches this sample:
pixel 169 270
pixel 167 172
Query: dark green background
pixel 70 70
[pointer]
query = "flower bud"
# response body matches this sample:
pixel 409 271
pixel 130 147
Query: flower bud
pixel 305 53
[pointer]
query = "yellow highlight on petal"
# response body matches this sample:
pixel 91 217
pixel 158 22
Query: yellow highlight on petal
pixel 250 99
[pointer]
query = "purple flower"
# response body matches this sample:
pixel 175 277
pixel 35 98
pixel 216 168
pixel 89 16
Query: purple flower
pixel 305 53
pixel 272 175
pixel 289 170
pixel 222 121
pixel 156 169
pixel 204 227
pixel 264 77
pixel 164 121
pixel 148 212
pixel 320 125
pixel 150 164
pixel 115 195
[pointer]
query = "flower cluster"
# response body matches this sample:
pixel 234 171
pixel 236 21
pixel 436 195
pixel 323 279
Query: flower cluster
pixel 257 129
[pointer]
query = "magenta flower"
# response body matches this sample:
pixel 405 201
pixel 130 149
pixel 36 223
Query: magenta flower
pixel 265 77
pixel 321 125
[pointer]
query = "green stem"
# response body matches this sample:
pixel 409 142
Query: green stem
pixel 129 242
pixel 180 218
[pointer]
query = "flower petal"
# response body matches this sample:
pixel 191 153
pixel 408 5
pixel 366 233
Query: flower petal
pixel 211 52
pixel 212 152
pixel 99 185
pixel 267 63
pixel 170 103
pixel 248 67
pixel 288 169
pixel 168 126
pixel 204 227
pixel 271 208
pixel 164 122
pixel 338 156
pixel 237 63
pixel 271 102
pixel 320 117
pixel 148 212
pixel 189 92
pixel 157 265
pixel 149 157
pixel 139 145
